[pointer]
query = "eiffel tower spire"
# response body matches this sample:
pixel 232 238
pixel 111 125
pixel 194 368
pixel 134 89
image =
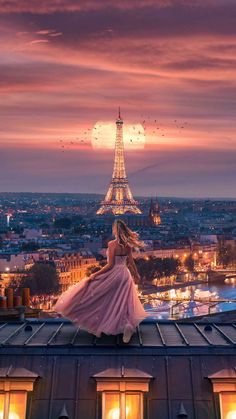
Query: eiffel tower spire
pixel 119 198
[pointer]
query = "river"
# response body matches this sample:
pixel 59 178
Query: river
pixel 165 309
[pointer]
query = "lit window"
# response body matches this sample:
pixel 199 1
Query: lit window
pixel 228 405
pixel 13 405
pixel 224 383
pixel 122 406
pixel 1 405
pixel 14 386
pixel 122 392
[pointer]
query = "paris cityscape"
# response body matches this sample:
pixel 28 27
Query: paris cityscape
pixel 50 242
pixel 117 209
pixel 188 265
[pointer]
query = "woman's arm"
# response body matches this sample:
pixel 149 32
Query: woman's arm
pixel 132 265
pixel 110 262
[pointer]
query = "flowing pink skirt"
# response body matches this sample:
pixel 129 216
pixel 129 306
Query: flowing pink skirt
pixel 106 304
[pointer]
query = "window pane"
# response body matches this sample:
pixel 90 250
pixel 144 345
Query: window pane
pixel 133 406
pixel 1 405
pixel 228 405
pixel 112 406
pixel 17 405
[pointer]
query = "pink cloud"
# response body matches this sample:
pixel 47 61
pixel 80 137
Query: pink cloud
pixel 51 6
pixel 56 34
pixel 45 31
pixel 39 41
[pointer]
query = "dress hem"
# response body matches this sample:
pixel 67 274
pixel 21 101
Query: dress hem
pixel 108 333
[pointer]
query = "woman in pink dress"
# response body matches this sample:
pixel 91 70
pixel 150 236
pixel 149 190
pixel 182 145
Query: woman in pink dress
pixel 107 301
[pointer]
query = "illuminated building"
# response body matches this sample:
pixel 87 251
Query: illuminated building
pixel 72 268
pixel 154 213
pixel 9 215
pixel 119 198
pixel 51 369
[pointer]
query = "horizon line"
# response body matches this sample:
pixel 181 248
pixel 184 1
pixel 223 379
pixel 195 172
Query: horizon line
pixel 139 196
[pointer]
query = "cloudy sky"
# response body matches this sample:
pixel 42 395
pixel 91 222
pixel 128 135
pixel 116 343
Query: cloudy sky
pixel 66 65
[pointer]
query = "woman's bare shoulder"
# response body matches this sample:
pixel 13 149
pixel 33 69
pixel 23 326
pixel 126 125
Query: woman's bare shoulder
pixel 111 243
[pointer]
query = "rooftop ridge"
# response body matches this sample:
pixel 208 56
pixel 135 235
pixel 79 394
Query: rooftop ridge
pixel 150 333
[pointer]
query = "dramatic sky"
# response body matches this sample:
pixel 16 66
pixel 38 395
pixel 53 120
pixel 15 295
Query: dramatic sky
pixel 66 66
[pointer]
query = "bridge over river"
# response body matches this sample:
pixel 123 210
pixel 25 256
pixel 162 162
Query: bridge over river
pixel 190 299
pixel 198 300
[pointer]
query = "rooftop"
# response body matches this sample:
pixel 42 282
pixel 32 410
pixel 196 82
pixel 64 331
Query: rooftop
pixel 60 333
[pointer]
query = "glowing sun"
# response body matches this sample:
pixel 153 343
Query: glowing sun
pixel 104 134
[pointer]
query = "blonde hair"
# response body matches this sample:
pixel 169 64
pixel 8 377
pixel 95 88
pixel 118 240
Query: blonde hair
pixel 125 236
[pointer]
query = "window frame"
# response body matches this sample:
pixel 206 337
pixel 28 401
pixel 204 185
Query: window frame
pixel 221 395
pixel 122 380
pixel 122 402
pixel 16 381
pixel 223 382
pixel 6 401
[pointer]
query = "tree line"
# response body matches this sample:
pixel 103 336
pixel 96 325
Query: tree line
pixel 43 278
pixel 226 254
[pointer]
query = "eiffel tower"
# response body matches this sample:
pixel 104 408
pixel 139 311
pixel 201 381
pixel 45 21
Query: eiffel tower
pixel 119 199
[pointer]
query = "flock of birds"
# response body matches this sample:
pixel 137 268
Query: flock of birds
pixel 66 144
pixel 150 126
pixel 159 128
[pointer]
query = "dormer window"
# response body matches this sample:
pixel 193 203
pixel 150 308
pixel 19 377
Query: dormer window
pixel 15 383
pixel 13 405
pixel 122 405
pixel 224 383
pixel 122 392
pixel 228 405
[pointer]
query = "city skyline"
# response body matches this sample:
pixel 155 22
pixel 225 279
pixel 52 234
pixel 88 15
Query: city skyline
pixel 66 67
